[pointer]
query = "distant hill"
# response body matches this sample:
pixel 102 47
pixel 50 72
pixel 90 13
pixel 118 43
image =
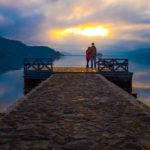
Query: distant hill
pixel 140 56
pixel 136 52
pixel 140 52
pixel 17 48
pixel 12 54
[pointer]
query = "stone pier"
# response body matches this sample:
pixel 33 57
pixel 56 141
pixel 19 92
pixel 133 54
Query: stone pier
pixel 76 112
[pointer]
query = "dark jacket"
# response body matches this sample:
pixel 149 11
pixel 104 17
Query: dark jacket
pixel 93 51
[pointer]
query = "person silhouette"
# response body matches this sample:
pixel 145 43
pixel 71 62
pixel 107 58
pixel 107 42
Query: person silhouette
pixel 88 56
pixel 93 56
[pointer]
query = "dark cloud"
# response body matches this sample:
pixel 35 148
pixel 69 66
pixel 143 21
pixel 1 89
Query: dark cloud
pixel 20 27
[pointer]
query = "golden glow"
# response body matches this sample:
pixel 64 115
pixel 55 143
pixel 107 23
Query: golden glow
pixel 88 31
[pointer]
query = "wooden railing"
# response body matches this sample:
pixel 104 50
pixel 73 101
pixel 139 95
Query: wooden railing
pixel 112 65
pixel 35 67
pixel 38 64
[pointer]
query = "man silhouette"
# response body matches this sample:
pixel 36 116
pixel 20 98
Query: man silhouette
pixel 93 56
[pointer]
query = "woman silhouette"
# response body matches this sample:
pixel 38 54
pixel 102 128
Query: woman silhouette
pixel 88 56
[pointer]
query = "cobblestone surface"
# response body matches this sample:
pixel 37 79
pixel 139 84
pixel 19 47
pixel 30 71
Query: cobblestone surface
pixel 76 112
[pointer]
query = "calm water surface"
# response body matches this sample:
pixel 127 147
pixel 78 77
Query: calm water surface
pixel 11 83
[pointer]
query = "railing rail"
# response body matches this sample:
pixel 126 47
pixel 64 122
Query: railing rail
pixel 112 65
pixel 103 65
pixel 38 64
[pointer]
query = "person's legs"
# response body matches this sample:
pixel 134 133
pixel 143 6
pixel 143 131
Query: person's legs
pixel 91 62
pixel 94 62
pixel 87 65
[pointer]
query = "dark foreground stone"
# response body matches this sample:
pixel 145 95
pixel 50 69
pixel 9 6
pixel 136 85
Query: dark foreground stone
pixel 76 112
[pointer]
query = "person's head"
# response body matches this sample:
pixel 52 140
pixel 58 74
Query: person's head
pixel 89 48
pixel 92 44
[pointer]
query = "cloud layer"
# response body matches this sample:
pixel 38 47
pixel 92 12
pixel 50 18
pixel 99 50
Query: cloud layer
pixel 31 21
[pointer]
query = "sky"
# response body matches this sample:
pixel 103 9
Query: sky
pixel 72 25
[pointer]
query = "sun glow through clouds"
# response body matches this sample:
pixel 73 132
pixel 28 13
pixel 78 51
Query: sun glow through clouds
pixel 93 31
pixel 90 31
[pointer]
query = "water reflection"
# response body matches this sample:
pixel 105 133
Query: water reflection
pixel 11 88
pixel 141 81
pixel 71 61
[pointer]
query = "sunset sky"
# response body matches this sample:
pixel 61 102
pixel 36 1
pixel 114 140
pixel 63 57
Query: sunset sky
pixel 71 25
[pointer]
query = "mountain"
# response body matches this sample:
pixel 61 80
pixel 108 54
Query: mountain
pixel 17 48
pixel 12 54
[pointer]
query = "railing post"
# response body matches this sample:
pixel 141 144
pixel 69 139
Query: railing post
pixel 127 65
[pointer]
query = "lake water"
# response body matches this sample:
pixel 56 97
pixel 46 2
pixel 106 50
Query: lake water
pixel 11 82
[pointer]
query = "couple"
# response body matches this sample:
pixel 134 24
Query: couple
pixel 91 55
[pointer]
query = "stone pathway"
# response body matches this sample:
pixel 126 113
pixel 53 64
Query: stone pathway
pixel 76 112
